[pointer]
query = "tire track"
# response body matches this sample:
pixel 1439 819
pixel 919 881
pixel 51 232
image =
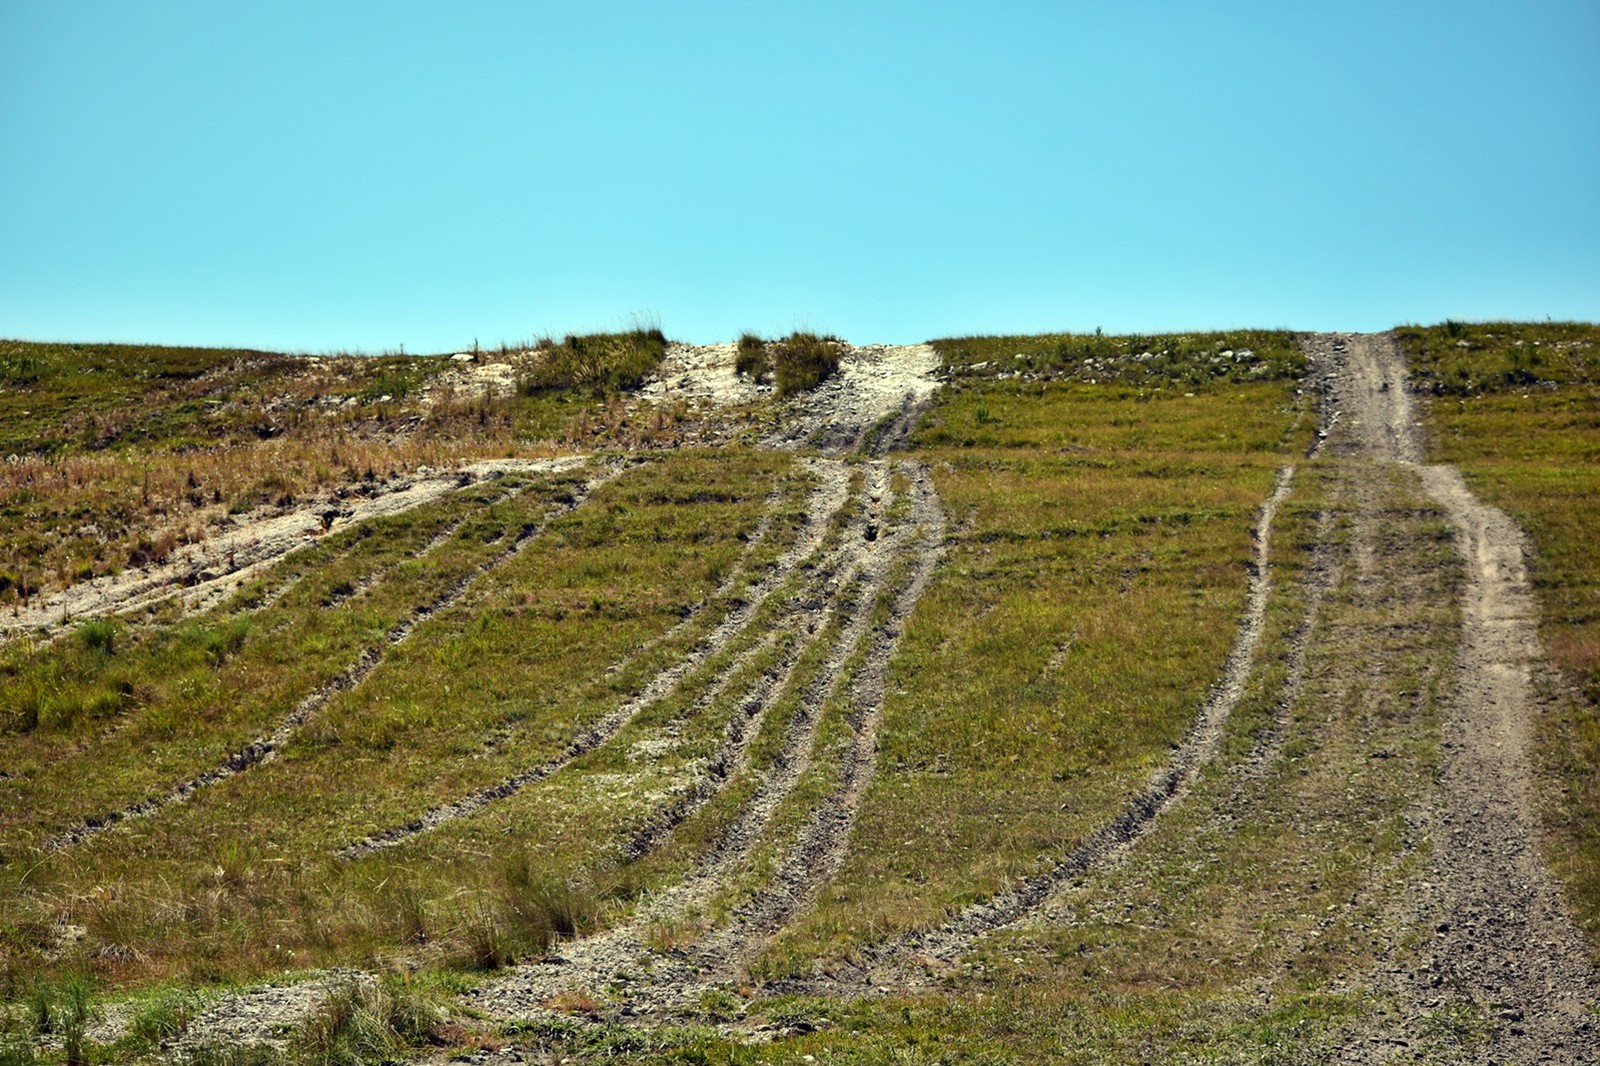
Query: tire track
pixel 869 567
pixel 265 748
pixel 817 605
pixel 865 565
pixel 823 843
pixel 1323 574
pixel 1499 934
pixel 830 496
pixel 370 581
pixel 887 964
pixel 256 545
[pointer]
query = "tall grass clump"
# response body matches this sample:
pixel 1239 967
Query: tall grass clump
pixel 63 1009
pixel 599 363
pixel 99 635
pixel 802 361
pixel 527 912
pixel 367 1023
pixel 751 360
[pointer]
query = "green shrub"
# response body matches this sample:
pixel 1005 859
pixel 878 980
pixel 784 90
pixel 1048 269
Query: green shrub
pixel 802 361
pixel 543 901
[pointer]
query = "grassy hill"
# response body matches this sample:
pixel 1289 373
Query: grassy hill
pixel 1101 715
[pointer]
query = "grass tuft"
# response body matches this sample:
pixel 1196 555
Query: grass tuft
pixel 600 363
pixel 99 635
pixel 368 1023
pixel 802 361
pixel 752 361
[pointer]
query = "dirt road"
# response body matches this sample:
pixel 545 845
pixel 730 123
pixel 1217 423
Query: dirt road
pixel 1500 935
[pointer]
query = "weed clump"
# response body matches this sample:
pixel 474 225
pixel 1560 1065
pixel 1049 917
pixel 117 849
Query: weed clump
pixel 599 363
pixel 524 914
pixel 802 361
pixel 368 1023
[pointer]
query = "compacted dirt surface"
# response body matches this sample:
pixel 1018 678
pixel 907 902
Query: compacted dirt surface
pixel 869 405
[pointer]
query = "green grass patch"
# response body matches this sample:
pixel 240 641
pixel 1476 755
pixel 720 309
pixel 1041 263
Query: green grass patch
pixel 1162 360
pixel 599 363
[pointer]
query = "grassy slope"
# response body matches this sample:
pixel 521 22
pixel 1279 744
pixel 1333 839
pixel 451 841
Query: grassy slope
pixel 1092 586
pixel 1517 408
pixel 499 681
pixel 1093 580
pixel 123 452
pixel 1228 934
pixel 1100 512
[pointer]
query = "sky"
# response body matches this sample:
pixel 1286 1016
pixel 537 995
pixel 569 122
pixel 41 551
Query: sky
pixel 367 176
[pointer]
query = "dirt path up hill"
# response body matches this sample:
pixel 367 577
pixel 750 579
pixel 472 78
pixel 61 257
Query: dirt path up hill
pixel 1501 935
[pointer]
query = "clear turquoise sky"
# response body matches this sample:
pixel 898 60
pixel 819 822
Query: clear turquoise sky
pixel 341 175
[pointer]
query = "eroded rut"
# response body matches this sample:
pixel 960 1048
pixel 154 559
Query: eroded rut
pixel 890 562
